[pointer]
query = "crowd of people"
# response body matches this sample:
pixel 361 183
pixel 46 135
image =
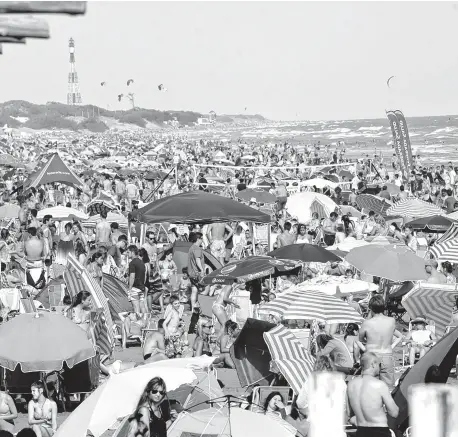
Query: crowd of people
pixel 157 289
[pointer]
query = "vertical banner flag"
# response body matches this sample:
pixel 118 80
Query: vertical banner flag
pixel 400 143
pixel 405 139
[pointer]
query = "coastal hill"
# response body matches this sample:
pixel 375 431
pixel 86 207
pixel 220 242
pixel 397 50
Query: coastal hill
pixel 53 115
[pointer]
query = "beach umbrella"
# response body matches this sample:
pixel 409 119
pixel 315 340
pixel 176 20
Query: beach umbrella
pixel 305 253
pixel 384 240
pixel 260 196
pixel 433 301
pixel 220 422
pixel 369 202
pixel 348 244
pixel 350 210
pixel 299 304
pixel 446 251
pixel 62 213
pixel 346 174
pixel 247 269
pixel 198 207
pixel 155 175
pixel 393 189
pixel 303 205
pixel 219 155
pixel 331 177
pixel 290 356
pixel 319 183
pixel 434 223
pixel 414 208
pixel 397 263
pixel 443 354
pixel 9 160
pixel 37 351
pixel 101 409
pixel 452 232
pixel 9 210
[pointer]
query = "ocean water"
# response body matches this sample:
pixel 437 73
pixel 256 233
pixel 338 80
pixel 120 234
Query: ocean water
pixel 435 139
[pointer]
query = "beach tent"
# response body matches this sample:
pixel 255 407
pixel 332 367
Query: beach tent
pixel 53 170
pixel 251 355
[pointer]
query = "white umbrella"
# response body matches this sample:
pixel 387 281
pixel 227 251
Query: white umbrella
pixel 62 213
pixel 241 423
pixel 319 183
pixel 103 408
pixel 302 205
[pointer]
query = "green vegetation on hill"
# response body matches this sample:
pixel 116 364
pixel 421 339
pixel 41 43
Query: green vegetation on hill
pixel 55 115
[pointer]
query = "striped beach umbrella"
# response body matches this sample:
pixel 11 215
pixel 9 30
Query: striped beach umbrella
pixel 300 304
pixel 434 301
pixel 446 250
pixel 452 232
pixel 369 202
pixel 290 356
pixel 414 208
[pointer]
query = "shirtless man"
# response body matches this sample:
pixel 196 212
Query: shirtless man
pixel 103 230
pixel 23 213
pixel 376 333
pixel 367 399
pixel 217 239
pixel 154 345
pixel 434 276
pixel 286 237
pixel 34 249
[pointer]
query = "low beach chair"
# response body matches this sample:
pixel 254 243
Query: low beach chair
pixel 261 393
pixel 406 348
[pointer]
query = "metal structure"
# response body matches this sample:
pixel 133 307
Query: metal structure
pixel 73 93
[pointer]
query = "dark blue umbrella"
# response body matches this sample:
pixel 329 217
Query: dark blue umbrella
pixel 443 354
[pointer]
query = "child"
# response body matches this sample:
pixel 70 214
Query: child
pixel 184 287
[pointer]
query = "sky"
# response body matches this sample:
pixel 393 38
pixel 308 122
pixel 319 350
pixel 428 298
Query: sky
pixel 284 60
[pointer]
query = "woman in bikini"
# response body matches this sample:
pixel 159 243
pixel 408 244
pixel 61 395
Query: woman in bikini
pixel 201 344
pixel 42 412
pixel 219 306
pixel 80 309
pixel 231 331
pixel 8 412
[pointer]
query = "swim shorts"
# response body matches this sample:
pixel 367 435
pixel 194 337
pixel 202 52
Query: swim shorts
pixel 375 431
pixel 136 294
pixel 218 248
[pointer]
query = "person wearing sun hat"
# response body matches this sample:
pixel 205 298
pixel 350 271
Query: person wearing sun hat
pixel 419 338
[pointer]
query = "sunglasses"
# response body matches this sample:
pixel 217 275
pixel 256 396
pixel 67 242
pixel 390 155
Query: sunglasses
pixel 155 392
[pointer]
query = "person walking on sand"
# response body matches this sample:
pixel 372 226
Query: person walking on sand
pixel 376 334
pixel 369 400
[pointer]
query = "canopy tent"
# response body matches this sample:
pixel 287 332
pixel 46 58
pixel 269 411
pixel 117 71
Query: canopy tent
pixel 198 207
pixel 54 170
